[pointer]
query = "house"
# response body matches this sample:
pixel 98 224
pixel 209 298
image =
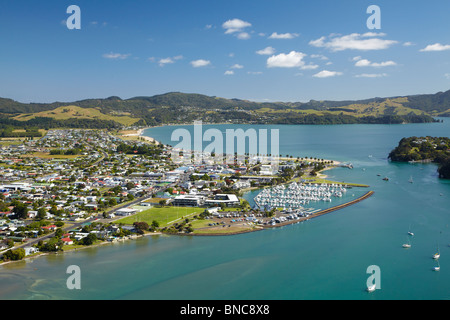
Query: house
pixel 51 227
pixel 241 184
pixel 30 250
pixel 67 241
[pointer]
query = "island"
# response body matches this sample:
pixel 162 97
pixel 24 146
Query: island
pixel 426 150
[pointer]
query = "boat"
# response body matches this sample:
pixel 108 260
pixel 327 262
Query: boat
pixel 407 245
pixel 409 231
pixel 437 255
pixel 437 268
pixel 386 179
pixel 411 180
pixel 371 288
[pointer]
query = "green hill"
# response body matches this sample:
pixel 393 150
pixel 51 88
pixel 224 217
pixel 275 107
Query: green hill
pixel 177 107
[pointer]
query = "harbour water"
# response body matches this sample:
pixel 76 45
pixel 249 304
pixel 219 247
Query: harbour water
pixel 323 258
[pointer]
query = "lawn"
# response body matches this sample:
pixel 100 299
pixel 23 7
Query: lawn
pixel 164 215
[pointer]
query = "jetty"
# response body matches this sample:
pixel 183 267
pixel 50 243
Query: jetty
pixel 322 212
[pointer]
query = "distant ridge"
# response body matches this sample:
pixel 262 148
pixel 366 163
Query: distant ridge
pixel 178 107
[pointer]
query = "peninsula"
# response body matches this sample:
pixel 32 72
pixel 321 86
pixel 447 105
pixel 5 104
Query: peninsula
pixel 75 188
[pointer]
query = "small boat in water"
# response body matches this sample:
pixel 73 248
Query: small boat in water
pixel 409 231
pixel 437 268
pixel 371 288
pixel 411 180
pixel 407 245
pixel 386 179
pixel 437 255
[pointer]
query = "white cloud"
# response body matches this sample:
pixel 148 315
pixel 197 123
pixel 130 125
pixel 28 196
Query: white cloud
pixel 254 72
pixel 309 67
pixel 408 44
pixel 291 60
pixel 327 74
pixel 229 72
pixel 319 56
pixel 367 63
pixel 116 56
pixel 354 41
pixel 436 47
pixel 447 75
pixel 371 75
pixel 200 63
pixel 283 35
pixel 237 66
pixel 266 51
pixel 162 62
pixel 243 36
pixel 235 25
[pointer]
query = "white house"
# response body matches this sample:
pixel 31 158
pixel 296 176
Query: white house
pixel 125 212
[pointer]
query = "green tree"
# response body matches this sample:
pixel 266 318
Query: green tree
pixel 41 213
pixel 89 239
pixel 14 255
pixel 21 210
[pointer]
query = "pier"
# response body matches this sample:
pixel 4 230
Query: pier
pixel 324 211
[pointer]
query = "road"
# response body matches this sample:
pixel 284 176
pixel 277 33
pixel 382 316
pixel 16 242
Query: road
pixel 99 216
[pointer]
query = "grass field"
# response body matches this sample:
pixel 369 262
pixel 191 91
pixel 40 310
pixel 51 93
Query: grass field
pixel 388 106
pixel 67 112
pixel 164 215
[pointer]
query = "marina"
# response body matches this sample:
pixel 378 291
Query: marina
pixel 296 195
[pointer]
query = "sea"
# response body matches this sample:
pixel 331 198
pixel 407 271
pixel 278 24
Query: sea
pixel 331 257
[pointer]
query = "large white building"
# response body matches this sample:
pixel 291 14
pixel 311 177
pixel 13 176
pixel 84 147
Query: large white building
pixel 228 200
pixel 189 200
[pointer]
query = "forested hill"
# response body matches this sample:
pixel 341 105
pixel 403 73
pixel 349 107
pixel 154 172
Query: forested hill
pixel 425 149
pixel 176 107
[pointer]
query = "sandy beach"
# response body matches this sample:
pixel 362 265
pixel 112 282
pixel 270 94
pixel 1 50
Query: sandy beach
pixel 138 133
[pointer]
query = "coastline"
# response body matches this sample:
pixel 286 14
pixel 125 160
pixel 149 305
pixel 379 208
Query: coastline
pixel 320 175
pixel 206 234
pixel 139 133
pixel 102 243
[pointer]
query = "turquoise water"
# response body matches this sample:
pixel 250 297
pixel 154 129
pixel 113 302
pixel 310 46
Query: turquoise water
pixel 323 258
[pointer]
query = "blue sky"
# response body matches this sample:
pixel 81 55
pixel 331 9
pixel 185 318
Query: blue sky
pixel 256 50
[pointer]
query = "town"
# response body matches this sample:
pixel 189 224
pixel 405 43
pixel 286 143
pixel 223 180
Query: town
pixel 73 188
